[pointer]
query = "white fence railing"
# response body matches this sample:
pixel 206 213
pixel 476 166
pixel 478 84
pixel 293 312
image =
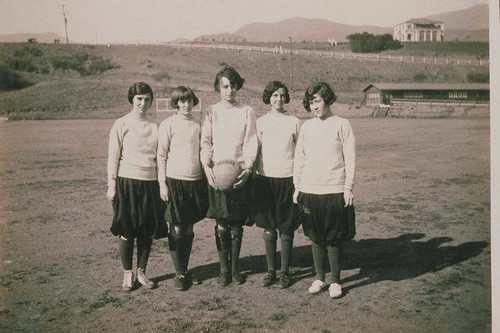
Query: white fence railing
pixel 448 60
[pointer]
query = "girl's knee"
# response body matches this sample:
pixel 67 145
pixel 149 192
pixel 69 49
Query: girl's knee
pixel 270 235
pixel 236 230
pixel 181 231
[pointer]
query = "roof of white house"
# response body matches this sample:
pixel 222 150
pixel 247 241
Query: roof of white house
pixel 429 86
pixel 420 21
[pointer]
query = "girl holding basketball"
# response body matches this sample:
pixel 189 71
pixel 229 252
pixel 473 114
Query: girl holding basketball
pixel 182 184
pixel 277 134
pixel 133 186
pixel 324 167
pixel 228 134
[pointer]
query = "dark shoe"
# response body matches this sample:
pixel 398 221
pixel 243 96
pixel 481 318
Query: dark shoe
pixel 269 279
pixel 285 280
pixel 224 279
pixel 193 278
pixel 237 278
pixel 180 282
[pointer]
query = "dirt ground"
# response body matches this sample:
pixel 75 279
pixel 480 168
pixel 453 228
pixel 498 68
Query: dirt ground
pixel 420 261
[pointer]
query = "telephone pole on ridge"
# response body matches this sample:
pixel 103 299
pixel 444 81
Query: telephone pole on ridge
pixel 291 65
pixel 65 24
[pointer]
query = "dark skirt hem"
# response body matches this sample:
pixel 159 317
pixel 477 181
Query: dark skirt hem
pixel 274 207
pixel 188 201
pixel 325 220
pixel 138 210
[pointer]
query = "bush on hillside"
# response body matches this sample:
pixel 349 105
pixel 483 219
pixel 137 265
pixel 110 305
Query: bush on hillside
pixel 10 80
pixel 369 43
pixel 162 77
pixel 478 77
pixel 419 77
pixel 82 63
pixel 20 64
pixel 28 50
pixel 97 65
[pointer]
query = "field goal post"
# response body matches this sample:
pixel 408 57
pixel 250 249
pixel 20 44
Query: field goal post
pixel 163 105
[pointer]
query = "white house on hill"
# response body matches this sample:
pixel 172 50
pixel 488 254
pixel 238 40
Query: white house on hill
pixel 419 30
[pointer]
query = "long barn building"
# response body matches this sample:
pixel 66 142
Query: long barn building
pixel 377 94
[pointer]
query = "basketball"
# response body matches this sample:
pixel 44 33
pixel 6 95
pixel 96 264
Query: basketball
pixel 226 174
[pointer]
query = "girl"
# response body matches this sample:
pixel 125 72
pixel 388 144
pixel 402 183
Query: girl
pixel 277 134
pixel 132 184
pixel 324 166
pixel 228 133
pixel 182 184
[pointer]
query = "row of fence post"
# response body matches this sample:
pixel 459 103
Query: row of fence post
pixel 331 54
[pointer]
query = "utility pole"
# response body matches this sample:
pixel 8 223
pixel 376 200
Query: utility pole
pixel 291 65
pixel 65 24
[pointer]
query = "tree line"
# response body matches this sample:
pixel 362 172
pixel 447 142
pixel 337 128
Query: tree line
pixel 369 43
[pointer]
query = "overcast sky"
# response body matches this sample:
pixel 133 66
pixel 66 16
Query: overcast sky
pixel 163 20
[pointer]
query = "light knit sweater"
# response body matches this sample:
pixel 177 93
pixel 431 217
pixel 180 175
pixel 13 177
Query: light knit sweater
pixel 277 133
pixel 132 148
pixel 179 148
pixel 325 157
pixel 228 133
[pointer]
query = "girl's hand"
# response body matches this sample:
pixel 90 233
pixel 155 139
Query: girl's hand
pixel 111 193
pixel 242 178
pixel 163 191
pixel 210 176
pixel 348 198
pixel 295 196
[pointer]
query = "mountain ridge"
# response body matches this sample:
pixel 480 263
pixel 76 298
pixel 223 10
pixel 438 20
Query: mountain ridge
pixel 466 24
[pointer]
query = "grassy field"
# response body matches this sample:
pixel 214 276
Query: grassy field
pixel 63 92
pixel 420 261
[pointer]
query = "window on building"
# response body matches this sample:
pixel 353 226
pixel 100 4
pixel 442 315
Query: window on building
pixel 457 94
pixel 409 36
pixel 413 94
pixel 374 95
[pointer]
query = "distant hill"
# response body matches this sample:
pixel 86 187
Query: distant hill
pixel 474 18
pixel 47 37
pixel 301 29
pixel 466 25
pixel 470 24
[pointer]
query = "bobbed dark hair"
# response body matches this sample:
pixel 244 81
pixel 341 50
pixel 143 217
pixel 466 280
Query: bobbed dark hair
pixel 182 93
pixel 321 88
pixel 269 90
pixel 139 88
pixel 232 75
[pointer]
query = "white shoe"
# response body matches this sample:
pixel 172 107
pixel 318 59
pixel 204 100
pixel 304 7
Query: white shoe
pixel 128 280
pixel 335 290
pixel 143 279
pixel 316 287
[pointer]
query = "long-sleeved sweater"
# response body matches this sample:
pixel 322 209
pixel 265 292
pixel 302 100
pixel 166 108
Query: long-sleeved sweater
pixel 179 148
pixel 228 133
pixel 277 134
pixel 325 157
pixel 132 148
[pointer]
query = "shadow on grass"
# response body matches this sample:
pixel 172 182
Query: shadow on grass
pixel 403 257
pixel 378 259
pixel 301 266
